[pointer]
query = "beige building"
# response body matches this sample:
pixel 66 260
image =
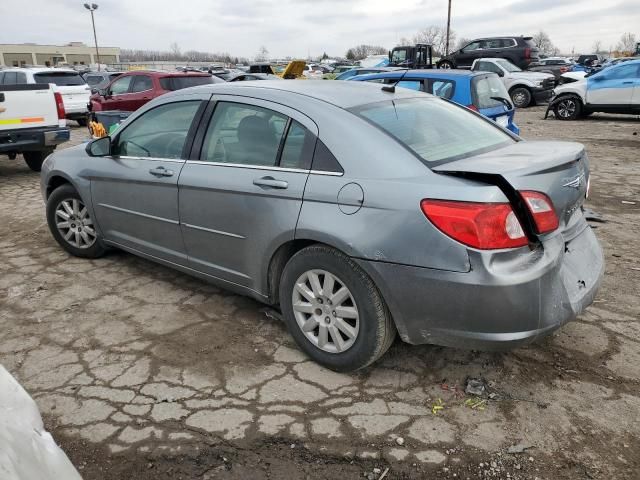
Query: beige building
pixel 74 53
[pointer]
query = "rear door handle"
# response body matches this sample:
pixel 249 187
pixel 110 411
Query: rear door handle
pixel 628 82
pixel 161 172
pixel 271 182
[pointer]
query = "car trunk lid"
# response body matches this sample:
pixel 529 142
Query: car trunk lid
pixel 558 169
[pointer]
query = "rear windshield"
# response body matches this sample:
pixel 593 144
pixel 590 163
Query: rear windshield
pixel 93 80
pixel 435 130
pixel 178 83
pixel 486 91
pixel 61 79
pixel 530 43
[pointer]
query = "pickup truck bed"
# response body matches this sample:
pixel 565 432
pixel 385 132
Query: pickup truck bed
pixel 31 122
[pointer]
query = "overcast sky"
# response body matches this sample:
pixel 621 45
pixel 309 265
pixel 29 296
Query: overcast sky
pixel 297 27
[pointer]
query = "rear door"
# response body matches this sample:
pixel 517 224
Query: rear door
pixel 613 86
pixel 241 195
pixel 135 190
pixel 141 92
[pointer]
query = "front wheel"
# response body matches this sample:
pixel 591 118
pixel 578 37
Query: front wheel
pixel 34 159
pixel 521 97
pixel 567 108
pixel 333 310
pixel 71 224
pixel 82 121
pixel 445 64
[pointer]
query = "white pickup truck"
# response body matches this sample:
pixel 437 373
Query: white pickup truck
pixel 525 87
pixel 32 122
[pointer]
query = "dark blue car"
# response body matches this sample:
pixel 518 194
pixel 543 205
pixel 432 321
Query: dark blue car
pixel 483 92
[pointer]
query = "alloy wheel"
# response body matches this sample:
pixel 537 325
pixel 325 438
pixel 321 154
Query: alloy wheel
pixel 567 108
pixel 75 224
pixel 325 311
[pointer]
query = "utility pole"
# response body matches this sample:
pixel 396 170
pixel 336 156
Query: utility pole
pixel 446 47
pixel 92 8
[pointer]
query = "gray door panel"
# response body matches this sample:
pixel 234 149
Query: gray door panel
pixel 139 209
pixel 232 218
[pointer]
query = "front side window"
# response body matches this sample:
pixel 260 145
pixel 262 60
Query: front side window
pixel 93 80
pixel 488 67
pixel 508 66
pixel 436 131
pixel 398 56
pixel 243 134
pixel 622 72
pixel 61 79
pixel 158 133
pixel 10 78
pixel 121 85
pixel 472 46
pixel 141 83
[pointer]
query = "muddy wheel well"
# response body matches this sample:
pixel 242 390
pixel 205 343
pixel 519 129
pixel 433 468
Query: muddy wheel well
pixel 54 183
pixel 277 263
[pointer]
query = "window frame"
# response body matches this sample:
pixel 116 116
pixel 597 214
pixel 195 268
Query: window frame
pixel 195 156
pixel 191 132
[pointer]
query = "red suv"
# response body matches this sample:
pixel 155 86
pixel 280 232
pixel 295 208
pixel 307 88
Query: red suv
pixel 131 90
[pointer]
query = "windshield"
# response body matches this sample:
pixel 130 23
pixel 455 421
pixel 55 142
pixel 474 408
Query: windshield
pixel 61 79
pixel 435 130
pixel 508 66
pixel 486 90
pixel 178 83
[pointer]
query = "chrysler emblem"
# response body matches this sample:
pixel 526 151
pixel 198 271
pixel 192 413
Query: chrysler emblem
pixel 576 182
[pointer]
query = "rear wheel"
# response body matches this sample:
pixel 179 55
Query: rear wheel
pixel 445 64
pixel 71 224
pixel 82 121
pixel 521 97
pixel 567 108
pixel 34 159
pixel 333 310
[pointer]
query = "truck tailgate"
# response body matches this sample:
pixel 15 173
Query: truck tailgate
pixel 27 106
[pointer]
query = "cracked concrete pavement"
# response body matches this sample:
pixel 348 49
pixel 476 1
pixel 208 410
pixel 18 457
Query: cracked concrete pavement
pixel 136 359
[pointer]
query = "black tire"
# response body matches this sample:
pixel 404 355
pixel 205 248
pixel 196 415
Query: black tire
pixel 82 121
pixel 446 64
pixel 567 108
pixel 34 159
pixel 376 328
pixel 63 193
pixel 521 97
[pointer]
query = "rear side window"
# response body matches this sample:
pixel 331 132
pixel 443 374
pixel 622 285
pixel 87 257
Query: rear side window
pixel 160 132
pixel 93 80
pixel 324 160
pixel 486 90
pixel 61 79
pixel 528 42
pixel 297 151
pixel 10 78
pixel 243 134
pixel 436 131
pixel 178 83
pixel 141 83
pixel 442 88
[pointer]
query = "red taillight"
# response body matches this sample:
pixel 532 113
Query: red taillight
pixel 564 69
pixel 527 53
pixel 59 106
pixel 485 226
pixel 473 107
pixel 541 208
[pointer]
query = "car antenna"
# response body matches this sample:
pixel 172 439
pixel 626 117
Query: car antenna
pixel 392 88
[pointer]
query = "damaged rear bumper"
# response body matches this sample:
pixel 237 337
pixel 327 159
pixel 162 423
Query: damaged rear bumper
pixel 497 305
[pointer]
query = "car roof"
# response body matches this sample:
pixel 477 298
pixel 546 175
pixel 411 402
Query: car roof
pixel 444 74
pixel 341 94
pixel 42 70
pixel 163 74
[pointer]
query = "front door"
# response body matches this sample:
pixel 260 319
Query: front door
pixel 241 199
pixel 613 86
pixel 135 191
pixel 140 92
pixel 117 94
pixel 468 54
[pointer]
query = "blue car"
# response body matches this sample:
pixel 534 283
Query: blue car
pixel 483 92
pixel 354 72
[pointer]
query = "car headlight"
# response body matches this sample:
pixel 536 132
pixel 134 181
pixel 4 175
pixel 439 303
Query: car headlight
pixel 540 83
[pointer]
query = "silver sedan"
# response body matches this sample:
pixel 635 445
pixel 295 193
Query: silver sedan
pixel 359 211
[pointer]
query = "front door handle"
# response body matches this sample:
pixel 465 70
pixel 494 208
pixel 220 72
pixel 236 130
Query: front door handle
pixel 270 182
pixel 161 172
pixel 628 82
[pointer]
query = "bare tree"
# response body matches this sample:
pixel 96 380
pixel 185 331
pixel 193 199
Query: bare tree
pixel 363 51
pixel 175 50
pixel 404 42
pixel 436 36
pixel 263 54
pixel 627 43
pixel 597 46
pixel 462 42
pixel 545 44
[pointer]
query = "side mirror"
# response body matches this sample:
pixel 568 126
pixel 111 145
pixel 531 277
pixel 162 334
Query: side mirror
pixel 100 147
pixel 500 73
pixel 94 91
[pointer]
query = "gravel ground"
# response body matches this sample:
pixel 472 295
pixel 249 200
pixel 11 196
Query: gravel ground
pixel 145 373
